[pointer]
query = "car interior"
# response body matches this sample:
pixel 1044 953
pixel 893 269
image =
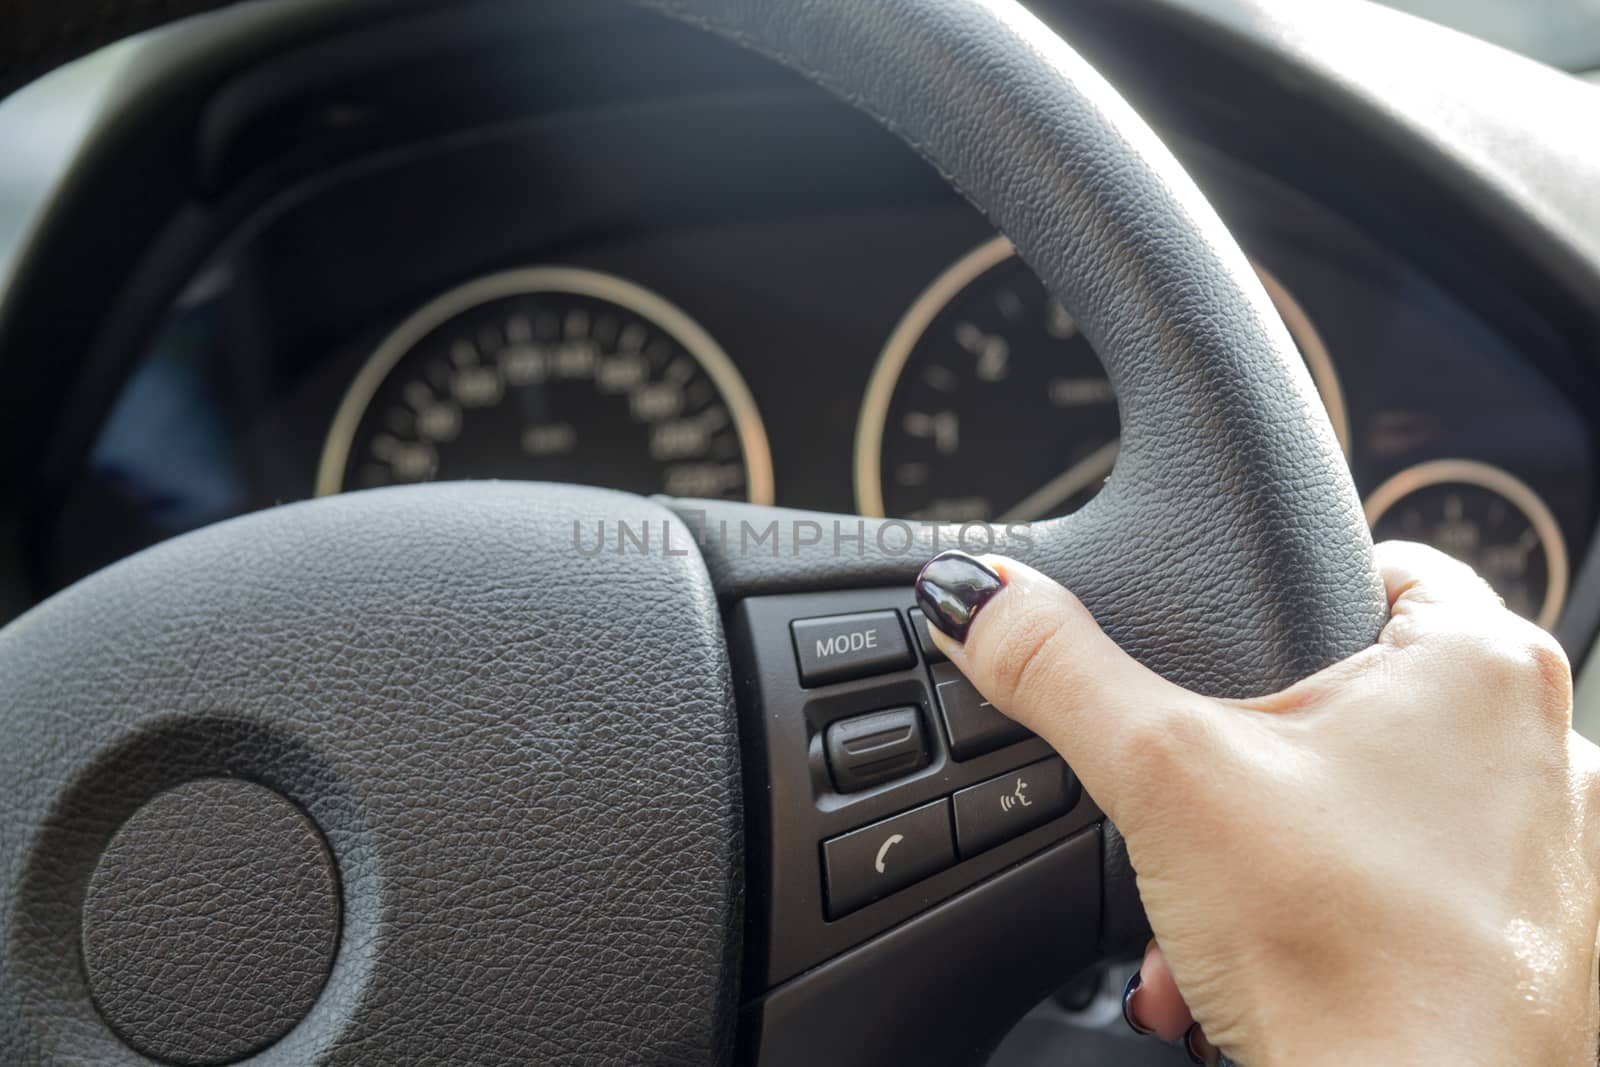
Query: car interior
pixel 465 465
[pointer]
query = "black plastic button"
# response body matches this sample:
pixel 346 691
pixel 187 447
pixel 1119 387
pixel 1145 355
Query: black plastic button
pixel 841 647
pixel 869 749
pixel 870 863
pixel 974 725
pixel 1004 807
pixel 919 626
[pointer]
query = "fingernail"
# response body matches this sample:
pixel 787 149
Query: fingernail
pixel 1191 1043
pixel 950 589
pixel 1128 991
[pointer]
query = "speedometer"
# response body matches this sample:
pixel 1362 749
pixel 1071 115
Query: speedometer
pixel 988 403
pixel 551 374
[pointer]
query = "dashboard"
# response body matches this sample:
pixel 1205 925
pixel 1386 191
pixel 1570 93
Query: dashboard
pixel 325 248
pixel 757 294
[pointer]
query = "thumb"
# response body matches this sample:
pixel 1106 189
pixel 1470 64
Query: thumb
pixel 1034 652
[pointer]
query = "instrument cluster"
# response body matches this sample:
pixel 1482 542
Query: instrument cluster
pixel 985 404
pixel 899 362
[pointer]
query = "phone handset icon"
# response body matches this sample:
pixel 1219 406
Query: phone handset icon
pixel 883 849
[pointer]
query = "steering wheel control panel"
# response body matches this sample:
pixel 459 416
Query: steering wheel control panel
pixel 879 781
pixel 870 863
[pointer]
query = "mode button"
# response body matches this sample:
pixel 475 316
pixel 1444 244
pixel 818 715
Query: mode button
pixel 841 647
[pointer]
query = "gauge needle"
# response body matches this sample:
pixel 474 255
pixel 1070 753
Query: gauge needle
pixel 1058 490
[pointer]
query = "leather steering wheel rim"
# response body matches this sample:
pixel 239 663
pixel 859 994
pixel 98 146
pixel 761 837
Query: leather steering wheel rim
pixel 1228 552
pixel 1230 515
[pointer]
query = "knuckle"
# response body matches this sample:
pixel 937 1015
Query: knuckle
pixel 1163 748
pixel 1550 660
pixel 1525 668
pixel 1024 663
pixel 1162 762
pixel 1551 677
pixel 1405 630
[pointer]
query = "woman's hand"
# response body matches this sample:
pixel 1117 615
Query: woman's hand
pixel 1394 861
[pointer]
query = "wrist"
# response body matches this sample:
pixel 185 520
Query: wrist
pixel 1485 990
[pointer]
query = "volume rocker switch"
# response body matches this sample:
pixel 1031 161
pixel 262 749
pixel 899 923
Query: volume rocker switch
pixel 974 725
pixel 880 747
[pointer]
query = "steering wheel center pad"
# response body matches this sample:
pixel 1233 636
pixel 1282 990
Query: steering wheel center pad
pixel 523 764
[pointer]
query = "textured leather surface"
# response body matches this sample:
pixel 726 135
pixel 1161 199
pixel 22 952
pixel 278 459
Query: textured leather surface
pixel 1229 550
pixel 525 770
pixel 210 922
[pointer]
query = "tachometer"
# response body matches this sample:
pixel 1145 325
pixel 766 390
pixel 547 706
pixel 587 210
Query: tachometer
pixel 551 374
pixel 1485 517
pixel 988 404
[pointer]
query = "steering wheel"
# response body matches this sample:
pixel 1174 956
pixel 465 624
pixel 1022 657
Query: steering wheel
pixel 499 772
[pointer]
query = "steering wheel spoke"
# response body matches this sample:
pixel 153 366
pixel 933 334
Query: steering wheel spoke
pixel 901 831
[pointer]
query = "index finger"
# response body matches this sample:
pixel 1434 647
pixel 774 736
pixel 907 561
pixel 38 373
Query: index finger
pixel 1416 575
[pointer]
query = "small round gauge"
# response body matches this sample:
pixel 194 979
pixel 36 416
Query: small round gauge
pixel 551 374
pixel 989 404
pixel 1488 519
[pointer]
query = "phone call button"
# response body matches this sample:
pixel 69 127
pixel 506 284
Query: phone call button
pixel 870 863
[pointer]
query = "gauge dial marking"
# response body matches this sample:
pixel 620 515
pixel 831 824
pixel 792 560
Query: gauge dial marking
pixel 551 373
pixel 1087 473
pixel 988 391
pixel 1485 517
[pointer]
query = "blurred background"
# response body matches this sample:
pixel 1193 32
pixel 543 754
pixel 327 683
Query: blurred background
pixel 43 124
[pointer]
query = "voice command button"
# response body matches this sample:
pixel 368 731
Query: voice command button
pixel 1012 804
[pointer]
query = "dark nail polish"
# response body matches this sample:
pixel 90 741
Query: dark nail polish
pixel 1127 1005
pixel 1191 1038
pixel 950 589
